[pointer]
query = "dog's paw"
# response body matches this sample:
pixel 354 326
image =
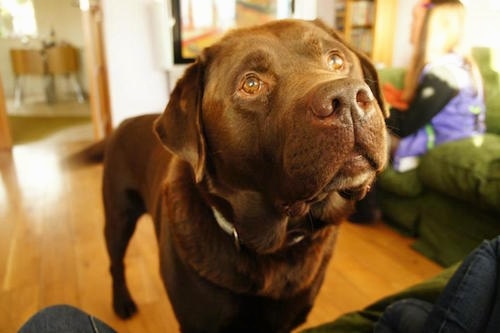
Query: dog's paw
pixel 125 308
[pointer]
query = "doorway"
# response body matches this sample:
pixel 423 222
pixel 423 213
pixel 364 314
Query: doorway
pixel 36 103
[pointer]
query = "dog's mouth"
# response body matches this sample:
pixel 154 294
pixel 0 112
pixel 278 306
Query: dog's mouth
pixel 354 179
pixel 351 181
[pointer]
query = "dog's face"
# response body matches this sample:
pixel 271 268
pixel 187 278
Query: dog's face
pixel 281 123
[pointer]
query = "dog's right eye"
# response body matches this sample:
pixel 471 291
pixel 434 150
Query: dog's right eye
pixel 251 84
pixel 335 62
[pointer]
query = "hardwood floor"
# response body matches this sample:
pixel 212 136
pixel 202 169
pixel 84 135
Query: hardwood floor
pixel 52 250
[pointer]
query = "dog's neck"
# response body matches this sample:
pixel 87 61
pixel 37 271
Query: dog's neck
pixel 227 226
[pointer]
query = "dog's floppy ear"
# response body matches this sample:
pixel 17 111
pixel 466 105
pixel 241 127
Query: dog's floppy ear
pixel 369 72
pixel 180 127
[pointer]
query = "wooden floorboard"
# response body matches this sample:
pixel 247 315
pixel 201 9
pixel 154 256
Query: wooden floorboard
pixel 52 250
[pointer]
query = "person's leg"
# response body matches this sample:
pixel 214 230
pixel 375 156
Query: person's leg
pixel 406 315
pixel 494 322
pixel 64 318
pixel 466 303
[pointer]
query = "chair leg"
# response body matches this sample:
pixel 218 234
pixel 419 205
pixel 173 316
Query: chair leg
pixel 50 88
pixel 18 92
pixel 80 96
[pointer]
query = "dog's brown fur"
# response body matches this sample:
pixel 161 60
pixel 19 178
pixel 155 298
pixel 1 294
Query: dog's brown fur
pixel 277 128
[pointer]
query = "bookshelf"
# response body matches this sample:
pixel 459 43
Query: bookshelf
pixel 369 26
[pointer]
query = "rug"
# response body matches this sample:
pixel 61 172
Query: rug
pixel 26 129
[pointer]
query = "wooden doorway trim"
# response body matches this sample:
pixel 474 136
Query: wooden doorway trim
pixel 5 137
pixel 95 60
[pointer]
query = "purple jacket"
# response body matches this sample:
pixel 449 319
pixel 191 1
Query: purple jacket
pixel 463 116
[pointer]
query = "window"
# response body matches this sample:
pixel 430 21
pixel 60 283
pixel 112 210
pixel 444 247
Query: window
pixel 198 23
pixel 17 19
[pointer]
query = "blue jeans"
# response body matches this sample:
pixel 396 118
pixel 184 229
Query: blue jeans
pixel 469 303
pixel 64 318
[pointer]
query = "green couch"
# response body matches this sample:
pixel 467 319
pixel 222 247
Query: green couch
pixel 451 202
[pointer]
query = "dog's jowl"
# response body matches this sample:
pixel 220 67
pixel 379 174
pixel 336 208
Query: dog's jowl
pixel 267 140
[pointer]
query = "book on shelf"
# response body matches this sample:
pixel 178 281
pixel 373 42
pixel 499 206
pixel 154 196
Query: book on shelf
pixel 362 39
pixel 362 13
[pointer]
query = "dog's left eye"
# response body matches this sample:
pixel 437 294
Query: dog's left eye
pixel 335 62
pixel 251 84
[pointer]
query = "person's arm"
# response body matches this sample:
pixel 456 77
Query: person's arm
pixel 435 90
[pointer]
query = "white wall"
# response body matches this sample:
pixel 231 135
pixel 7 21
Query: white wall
pixel 62 16
pixel 137 81
pixel 326 11
pixel 306 9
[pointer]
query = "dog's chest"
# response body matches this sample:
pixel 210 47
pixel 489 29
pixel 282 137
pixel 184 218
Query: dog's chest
pixel 241 271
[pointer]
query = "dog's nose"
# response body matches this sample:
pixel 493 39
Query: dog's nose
pixel 341 96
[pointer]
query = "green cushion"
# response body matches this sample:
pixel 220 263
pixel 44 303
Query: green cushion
pixel 399 212
pixel 449 230
pixel 363 321
pixel 406 184
pixel 467 169
pixel 397 194
pixel 488 60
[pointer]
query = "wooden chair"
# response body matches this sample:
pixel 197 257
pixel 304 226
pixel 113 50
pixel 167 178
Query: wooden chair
pixel 25 62
pixel 64 60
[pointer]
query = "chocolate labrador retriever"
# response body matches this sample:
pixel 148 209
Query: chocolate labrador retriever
pixel 266 141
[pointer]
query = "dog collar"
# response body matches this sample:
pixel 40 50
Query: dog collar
pixel 227 226
pixel 229 229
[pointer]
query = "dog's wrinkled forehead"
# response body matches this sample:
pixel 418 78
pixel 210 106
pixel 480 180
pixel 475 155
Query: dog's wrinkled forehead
pixel 282 45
